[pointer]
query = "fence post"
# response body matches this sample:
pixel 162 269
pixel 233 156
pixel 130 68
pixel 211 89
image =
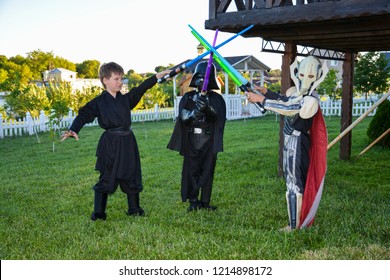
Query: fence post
pixel 42 121
pixel 30 124
pixel 1 126
pixel 227 102
pixel 156 112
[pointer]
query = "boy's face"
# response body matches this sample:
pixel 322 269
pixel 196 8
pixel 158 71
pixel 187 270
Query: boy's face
pixel 114 83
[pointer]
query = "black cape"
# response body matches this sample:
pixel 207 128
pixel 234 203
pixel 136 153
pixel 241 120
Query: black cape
pixel 179 137
pixel 117 155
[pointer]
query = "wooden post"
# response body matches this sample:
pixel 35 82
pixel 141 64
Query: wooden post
pixel 30 124
pixel 290 51
pixel 346 105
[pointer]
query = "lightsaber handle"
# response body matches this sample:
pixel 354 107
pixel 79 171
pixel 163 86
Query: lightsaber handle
pixel 244 88
pixel 172 73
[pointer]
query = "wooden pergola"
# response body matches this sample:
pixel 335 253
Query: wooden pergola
pixel 334 29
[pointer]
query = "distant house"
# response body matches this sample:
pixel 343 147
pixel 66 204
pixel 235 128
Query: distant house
pixel 245 64
pixel 59 74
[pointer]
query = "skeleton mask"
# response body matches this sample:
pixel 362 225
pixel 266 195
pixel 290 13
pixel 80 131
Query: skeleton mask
pixel 310 73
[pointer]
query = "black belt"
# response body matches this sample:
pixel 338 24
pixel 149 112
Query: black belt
pixel 119 130
pixel 199 130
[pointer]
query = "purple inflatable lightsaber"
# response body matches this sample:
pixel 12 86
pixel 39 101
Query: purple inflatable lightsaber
pixel 208 69
pixel 184 66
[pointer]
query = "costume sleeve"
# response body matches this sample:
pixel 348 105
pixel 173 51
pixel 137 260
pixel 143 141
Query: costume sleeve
pixel 282 104
pixel 178 135
pixel 136 93
pixel 87 114
pixel 275 95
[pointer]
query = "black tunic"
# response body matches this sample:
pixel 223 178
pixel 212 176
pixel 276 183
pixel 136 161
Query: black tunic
pixel 117 151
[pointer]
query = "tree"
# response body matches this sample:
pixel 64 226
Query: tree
pixel 155 96
pixel 161 68
pixel 134 80
pixel 40 61
pixel 275 86
pixel 329 86
pixel 60 99
pixel 13 74
pixel 27 98
pixel 371 73
pixel 88 69
pixel 81 97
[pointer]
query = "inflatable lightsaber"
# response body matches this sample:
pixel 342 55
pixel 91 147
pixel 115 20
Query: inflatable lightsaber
pixel 208 69
pixel 184 66
pixel 243 84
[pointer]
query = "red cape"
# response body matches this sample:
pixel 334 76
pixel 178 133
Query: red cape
pixel 316 173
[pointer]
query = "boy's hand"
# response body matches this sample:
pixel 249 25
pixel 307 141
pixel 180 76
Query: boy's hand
pixel 69 133
pixel 162 74
pixel 262 90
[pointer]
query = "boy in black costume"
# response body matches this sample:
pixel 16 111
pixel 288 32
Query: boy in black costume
pixel 198 137
pixel 118 159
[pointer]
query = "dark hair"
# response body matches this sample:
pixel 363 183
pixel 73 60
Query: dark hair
pixel 107 69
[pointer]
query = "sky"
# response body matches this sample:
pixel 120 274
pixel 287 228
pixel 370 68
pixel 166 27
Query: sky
pixel 137 34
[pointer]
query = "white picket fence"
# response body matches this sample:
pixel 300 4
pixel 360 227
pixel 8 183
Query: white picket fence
pixel 29 125
pixel 237 107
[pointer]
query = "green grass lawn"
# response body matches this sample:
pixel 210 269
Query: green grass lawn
pixel 46 201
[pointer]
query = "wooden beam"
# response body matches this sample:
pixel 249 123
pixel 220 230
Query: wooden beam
pixel 376 141
pixel 290 53
pixel 223 6
pixel 358 120
pixel 213 6
pixel 346 106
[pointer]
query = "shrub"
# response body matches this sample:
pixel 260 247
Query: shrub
pixel 380 123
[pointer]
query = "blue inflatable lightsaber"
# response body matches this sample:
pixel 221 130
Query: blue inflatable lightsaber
pixel 237 78
pixel 195 60
pixel 208 69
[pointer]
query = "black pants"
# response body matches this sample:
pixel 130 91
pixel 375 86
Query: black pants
pixel 198 168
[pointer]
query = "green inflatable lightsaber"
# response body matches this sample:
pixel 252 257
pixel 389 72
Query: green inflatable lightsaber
pixel 243 84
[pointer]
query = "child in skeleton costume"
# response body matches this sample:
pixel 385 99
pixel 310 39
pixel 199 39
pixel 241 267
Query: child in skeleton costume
pixel 305 139
pixel 198 137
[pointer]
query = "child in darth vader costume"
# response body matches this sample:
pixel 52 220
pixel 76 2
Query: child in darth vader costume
pixel 305 139
pixel 198 137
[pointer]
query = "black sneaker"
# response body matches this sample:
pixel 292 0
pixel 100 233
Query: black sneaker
pixel 136 212
pixel 96 216
pixel 209 207
pixel 194 205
